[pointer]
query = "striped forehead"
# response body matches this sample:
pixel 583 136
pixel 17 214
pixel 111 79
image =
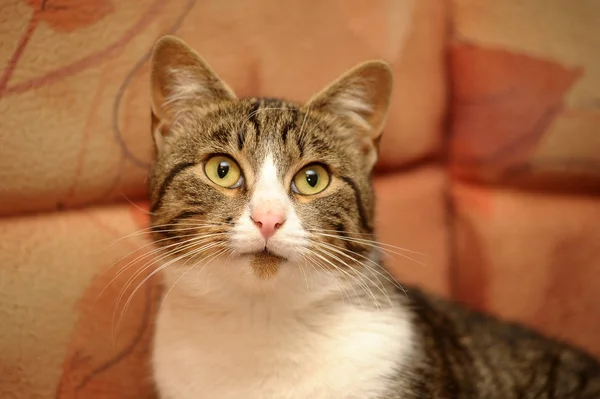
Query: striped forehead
pixel 268 120
pixel 269 133
pixel 256 127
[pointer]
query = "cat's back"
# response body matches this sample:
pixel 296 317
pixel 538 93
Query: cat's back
pixel 469 355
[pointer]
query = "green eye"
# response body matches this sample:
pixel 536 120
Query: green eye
pixel 223 171
pixel 311 180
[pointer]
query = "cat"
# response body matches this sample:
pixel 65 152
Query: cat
pixel 274 288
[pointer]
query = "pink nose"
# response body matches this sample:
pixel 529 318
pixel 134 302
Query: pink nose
pixel 267 221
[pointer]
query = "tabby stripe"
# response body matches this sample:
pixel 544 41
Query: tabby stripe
pixel 252 117
pixel 289 125
pixel 582 382
pixel 180 167
pixel 185 215
pixel 221 135
pixel 300 144
pixel 241 138
pixel 361 210
pixel 438 335
pixel 300 135
pixel 551 377
pixel 341 229
pixel 420 385
pixel 195 202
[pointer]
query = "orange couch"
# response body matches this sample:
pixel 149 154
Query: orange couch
pixel 489 171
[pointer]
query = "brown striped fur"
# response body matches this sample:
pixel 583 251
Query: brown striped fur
pixel 460 353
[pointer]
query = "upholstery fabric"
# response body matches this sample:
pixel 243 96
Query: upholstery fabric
pixel 489 174
pixel 524 157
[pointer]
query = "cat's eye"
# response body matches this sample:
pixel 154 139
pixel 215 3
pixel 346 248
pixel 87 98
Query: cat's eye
pixel 312 179
pixel 223 171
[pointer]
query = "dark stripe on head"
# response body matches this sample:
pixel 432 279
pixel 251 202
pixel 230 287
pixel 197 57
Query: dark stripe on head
pixel 253 119
pixel 221 136
pixel 241 138
pixel 301 132
pixel 583 380
pixel 290 125
pixel 177 169
pixel 552 372
pixel 300 143
pixel 361 210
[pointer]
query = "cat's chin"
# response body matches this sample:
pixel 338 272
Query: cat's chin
pixel 265 264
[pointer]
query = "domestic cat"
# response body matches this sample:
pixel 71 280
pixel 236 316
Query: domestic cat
pixel 274 288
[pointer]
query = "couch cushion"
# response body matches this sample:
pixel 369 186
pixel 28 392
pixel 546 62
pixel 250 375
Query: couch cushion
pixel 531 257
pixel 411 215
pixel 524 154
pixel 525 83
pixel 74 91
pixel 62 334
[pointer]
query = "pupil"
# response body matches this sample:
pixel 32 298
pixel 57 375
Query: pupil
pixel 312 178
pixel 223 169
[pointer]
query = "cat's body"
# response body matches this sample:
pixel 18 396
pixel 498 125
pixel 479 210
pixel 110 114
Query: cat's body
pixel 274 288
pixel 296 348
pixel 421 347
pixel 471 355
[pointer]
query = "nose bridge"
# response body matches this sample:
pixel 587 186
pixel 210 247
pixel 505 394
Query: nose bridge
pixel 269 203
pixel 269 206
pixel 269 196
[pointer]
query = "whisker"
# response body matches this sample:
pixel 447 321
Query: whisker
pixel 362 240
pixel 146 255
pixel 339 269
pixel 345 232
pixel 146 211
pixel 162 267
pixel 362 284
pixel 379 286
pixel 390 278
pixel 144 246
pixel 304 274
pixel 149 230
pixel 316 263
pixel 219 252
pixel 371 244
pixel 300 136
pixel 179 247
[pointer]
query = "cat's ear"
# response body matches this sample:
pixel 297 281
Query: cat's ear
pixel 180 78
pixel 361 97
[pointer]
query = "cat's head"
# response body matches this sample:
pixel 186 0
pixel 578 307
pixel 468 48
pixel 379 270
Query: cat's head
pixel 263 185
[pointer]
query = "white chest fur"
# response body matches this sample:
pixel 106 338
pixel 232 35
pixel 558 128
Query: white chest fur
pixel 264 351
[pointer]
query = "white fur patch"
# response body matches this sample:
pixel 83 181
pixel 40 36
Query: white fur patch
pixel 271 349
pixel 222 333
pixel 290 239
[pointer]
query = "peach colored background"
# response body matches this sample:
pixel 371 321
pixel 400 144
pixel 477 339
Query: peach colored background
pixel 490 162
